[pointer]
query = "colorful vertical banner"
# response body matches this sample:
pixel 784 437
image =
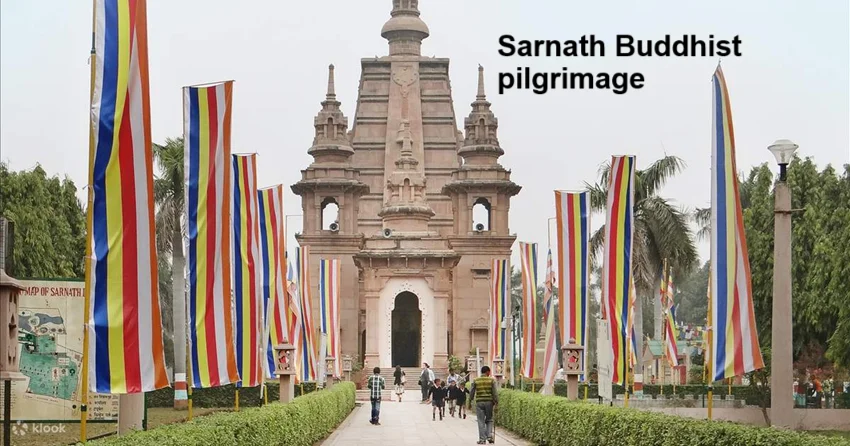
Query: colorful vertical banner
pixel 572 218
pixel 734 343
pixel 125 348
pixel 293 315
pixel 329 271
pixel 206 127
pixel 631 325
pixel 528 267
pixel 550 355
pixel 306 351
pixel 499 281
pixel 617 270
pixel 671 334
pixel 272 249
pixel 246 272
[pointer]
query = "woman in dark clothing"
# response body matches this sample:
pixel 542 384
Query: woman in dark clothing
pixel 399 381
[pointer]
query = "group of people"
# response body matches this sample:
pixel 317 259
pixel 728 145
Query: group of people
pixel 454 391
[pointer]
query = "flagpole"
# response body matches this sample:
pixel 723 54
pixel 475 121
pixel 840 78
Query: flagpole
pixel 710 374
pixel 84 400
pixel 663 326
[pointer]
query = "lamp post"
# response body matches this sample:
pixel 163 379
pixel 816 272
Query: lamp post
pixel 781 330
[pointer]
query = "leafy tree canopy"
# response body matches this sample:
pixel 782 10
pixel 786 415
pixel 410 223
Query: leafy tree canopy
pixel 50 224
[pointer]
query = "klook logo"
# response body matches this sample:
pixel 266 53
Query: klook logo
pixel 21 428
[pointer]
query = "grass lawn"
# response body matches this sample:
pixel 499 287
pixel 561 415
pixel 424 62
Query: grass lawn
pixel 71 434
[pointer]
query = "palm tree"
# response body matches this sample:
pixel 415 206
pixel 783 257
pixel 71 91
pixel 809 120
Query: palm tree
pixel 169 198
pixel 661 230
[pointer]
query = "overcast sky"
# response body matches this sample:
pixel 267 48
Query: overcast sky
pixel 791 82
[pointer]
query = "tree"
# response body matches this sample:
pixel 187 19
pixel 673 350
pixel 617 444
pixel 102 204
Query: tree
pixel 692 296
pixel 169 197
pixel 820 271
pixel 661 230
pixel 50 224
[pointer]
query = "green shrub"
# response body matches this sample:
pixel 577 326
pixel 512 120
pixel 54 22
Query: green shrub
pixel 223 396
pixel 750 395
pixel 303 422
pixel 548 420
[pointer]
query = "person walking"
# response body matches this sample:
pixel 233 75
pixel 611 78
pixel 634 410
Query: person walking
pixel 437 394
pixel 398 381
pixel 426 379
pixel 376 384
pixel 485 394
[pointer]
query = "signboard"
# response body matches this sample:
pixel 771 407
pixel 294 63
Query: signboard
pixel 603 359
pixel 51 315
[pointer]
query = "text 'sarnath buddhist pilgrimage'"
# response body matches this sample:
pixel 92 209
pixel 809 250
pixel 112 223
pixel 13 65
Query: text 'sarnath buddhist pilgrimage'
pixel 415 265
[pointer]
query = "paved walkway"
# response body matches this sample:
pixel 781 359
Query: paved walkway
pixel 409 423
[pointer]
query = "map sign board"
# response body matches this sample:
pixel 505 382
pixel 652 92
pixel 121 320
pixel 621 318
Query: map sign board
pixel 51 315
pixel 603 358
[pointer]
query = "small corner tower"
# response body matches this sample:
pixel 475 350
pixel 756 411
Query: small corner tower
pixel 481 180
pixel 330 181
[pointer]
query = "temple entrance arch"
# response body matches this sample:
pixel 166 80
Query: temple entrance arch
pixel 406 330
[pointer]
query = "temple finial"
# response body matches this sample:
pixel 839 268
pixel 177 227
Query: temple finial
pixel 481 95
pixel 331 90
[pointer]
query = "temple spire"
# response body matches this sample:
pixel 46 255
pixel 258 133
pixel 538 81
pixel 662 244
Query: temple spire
pixel 405 30
pixel 481 95
pixel 331 90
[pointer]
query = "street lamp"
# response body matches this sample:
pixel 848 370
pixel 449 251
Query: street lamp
pixel 783 150
pixel 781 330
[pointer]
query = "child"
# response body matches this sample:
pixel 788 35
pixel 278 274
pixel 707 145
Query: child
pixel 462 391
pixel 437 394
pixel 454 392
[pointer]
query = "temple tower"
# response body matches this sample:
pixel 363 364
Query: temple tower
pixel 415 282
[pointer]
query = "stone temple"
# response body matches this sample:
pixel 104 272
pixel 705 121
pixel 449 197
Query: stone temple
pixel 393 199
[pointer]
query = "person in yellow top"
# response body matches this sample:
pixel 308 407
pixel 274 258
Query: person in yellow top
pixel 485 394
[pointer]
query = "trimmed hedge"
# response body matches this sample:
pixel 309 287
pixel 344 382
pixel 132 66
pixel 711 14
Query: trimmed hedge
pixel 548 420
pixel 224 396
pixel 747 393
pixel 303 422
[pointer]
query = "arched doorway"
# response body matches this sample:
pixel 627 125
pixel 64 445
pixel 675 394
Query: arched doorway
pixel 406 330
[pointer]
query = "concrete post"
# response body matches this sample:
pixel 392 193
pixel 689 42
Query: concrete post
pixel 131 411
pixel 573 359
pixel 781 380
pixel 285 370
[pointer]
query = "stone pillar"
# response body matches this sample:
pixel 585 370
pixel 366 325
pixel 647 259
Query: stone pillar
pixel 131 411
pixel 285 371
pixel 781 378
pixel 573 358
pixel 372 358
pixel 440 330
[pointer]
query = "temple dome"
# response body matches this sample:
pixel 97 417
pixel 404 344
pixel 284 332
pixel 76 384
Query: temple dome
pixel 405 23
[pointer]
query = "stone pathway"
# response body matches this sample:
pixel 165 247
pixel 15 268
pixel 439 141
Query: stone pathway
pixel 409 423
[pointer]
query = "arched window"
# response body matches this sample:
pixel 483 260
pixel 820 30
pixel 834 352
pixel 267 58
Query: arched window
pixel 330 213
pixel 481 214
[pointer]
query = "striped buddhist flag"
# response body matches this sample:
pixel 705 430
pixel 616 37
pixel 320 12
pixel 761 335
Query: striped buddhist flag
pixel 572 218
pixel 307 366
pixel 528 261
pixel 126 352
pixel 617 272
pixel 734 343
pixel 293 314
pixel 246 271
pixel 329 271
pixel 631 330
pixel 207 112
pixel 550 355
pixel 671 334
pixel 272 249
pixel 499 280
